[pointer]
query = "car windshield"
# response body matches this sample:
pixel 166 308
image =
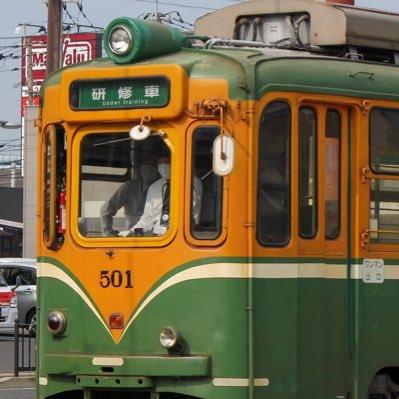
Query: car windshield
pixel 2 281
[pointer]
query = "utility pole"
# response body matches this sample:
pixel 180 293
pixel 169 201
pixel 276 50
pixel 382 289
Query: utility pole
pixel 28 63
pixel 54 30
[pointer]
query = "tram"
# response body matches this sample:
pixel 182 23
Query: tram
pixel 274 273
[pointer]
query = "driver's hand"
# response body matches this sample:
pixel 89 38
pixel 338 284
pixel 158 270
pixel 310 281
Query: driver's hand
pixel 125 233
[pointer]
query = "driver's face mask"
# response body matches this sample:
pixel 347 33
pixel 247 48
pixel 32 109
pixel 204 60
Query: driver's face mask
pixel 164 170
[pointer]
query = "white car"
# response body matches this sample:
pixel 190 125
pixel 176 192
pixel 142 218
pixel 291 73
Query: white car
pixel 8 307
pixel 20 275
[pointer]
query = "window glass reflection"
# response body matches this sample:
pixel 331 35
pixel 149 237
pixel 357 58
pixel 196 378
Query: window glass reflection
pixel 274 200
pixel 206 187
pixel 123 180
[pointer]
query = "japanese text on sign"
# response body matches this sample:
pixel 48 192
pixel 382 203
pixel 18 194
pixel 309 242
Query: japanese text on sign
pixel 373 271
pixel 127 93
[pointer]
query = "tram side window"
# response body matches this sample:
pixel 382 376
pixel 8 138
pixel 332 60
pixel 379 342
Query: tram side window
pixel 384 190
pixel 207 188
pixel 332 174
pixel 55 186
pixel 307 173
pixel 115 175
pixel 273 204
pixel 384 140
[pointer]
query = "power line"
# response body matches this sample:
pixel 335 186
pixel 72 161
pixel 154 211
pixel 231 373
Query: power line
pixel 176 5
pixel 80 7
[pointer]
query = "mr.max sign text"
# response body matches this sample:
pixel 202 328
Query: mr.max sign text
pixel 76 48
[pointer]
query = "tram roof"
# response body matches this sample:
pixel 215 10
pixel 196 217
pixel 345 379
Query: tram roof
pixel 329 24
pixel 253 72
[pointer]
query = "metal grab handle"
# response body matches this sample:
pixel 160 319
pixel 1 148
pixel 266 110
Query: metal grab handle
pixel 365 236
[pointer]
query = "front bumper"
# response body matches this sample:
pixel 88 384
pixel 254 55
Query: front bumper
pixel 112 372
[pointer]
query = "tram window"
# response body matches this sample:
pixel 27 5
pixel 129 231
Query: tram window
pixel 47 193
pixel 384 140
pixel 115 174
pixel 307 173
pixel 332 174
pixel 207 188
pixel 384 211
pixel 273 204
pixel 384 193
pixel 55 186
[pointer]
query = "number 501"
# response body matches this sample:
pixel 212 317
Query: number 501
pixel 116 279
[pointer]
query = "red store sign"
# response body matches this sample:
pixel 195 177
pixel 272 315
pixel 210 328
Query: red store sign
pixel 77 47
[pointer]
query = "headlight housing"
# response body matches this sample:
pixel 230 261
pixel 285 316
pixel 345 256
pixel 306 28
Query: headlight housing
pixel 128 40
pixel 120 40
pixel 169 337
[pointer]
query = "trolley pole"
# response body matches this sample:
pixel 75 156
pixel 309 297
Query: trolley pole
pixel 54 35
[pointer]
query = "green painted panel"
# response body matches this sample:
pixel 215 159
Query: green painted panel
pixel 334 76
pixel 301 335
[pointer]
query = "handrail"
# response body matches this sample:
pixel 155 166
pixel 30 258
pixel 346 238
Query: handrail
pixel 365 236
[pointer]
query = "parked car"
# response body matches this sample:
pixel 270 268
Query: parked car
pixel 8 306
pixel 20 275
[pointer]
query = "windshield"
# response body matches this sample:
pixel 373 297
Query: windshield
pixel 122 180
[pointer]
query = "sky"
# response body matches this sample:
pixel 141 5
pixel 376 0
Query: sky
pixel 96 13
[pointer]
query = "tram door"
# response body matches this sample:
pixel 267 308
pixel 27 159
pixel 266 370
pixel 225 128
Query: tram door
pixel 376 236
pixel 301 227
pixel 322 236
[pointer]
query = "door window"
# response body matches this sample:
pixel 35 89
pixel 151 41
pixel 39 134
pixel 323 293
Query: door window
pixel 332 175
pixel 274 178
pixel 307 173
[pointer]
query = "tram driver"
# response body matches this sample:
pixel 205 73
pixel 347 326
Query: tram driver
pixel 155 218
pixel 131 195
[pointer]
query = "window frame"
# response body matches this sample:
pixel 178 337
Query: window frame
pixel 370 141
pixel 339 175
pixel 369 174
pixel 222 236
pixel 50 186
pixel 311 169
pixel 287 185
pixel 168 132
pixel 349 124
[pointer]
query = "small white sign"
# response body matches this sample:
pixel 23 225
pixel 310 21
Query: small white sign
pixel 373 271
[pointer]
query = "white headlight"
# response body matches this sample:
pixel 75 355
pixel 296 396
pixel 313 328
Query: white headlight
pixel 169 337
pixel 120 40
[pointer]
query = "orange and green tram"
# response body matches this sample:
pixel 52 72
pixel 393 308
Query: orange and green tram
pixel 277 274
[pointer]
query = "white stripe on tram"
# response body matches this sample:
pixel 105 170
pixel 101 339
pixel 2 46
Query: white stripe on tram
pixel 49 270
pixel 228 270
pixel 239 382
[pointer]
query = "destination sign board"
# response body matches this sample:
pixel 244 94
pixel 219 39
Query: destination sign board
pixel 149 92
